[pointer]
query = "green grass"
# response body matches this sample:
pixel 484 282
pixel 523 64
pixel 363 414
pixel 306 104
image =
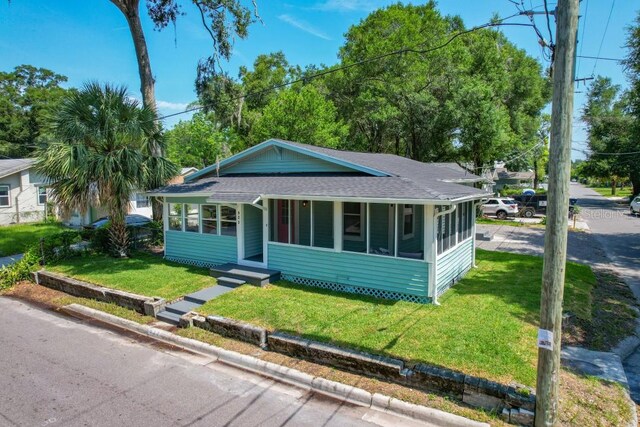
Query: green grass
pixel 486 325
pixel 142 274
pixel 620 192
pixel 15 239
pixel 110 308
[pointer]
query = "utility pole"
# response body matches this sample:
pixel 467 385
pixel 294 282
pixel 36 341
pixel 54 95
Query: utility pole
pixel 555 243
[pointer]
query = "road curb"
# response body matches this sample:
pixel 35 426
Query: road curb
pixel 287 375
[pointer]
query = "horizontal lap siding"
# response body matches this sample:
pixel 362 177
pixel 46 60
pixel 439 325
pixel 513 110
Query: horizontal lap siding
pixel 375 272
pixel 205 248
pixel 286 161
pixel 450 266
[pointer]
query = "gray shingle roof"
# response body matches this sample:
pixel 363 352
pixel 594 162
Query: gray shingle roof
pixel 407 180
pixel 11 166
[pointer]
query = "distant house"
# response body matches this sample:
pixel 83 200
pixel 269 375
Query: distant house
pixel 139 204
pixel 372 224
pixel 502 177
pixel 23 192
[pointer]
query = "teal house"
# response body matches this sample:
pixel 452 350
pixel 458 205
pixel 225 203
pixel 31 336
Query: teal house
pixel 365 223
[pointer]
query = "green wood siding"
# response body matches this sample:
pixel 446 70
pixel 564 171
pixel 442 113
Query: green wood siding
pixel 252 231
pixel 281 161
pixel 451 265
pixel 376 272
pixel 201 248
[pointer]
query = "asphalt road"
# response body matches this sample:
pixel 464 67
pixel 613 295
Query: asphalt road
pixel 618 233
pixel 61 371
pixel 615 229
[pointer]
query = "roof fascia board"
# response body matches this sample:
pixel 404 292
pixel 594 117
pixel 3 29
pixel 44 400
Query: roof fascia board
pixel 283 144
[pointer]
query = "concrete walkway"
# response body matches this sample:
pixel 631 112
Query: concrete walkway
pixel 173 312
pixel 8 260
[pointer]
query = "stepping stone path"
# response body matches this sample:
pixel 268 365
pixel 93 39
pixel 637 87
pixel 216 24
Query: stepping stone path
pixel 230 276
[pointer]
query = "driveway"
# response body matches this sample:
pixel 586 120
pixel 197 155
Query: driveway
pixel 60 371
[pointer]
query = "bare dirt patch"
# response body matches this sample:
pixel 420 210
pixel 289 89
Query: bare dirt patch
pixel 613 315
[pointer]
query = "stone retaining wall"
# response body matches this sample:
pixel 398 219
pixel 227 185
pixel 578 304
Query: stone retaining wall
pixel 514 403
pixel 142 304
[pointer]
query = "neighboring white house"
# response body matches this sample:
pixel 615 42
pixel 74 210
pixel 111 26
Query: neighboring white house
pixel 23 194
pixel 139 205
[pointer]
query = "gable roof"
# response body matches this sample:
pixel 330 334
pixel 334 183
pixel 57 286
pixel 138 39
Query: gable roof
pixel 11 166
pixel 379 176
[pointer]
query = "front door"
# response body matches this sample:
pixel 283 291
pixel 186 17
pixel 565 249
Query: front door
pixel 250 242
pixel 285 219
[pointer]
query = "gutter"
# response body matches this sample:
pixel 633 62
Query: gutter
pixel 434 296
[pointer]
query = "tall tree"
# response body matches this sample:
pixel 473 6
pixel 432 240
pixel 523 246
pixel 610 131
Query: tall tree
pixel 609 129
pixel 302 115
pixel 222 19
pixel 28 98
pixel 632 68
pixel 199 142
pixel 103 154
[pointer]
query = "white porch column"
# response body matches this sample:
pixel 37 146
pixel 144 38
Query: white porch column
pixel 265 232
pixel 430 246
pixel 337 226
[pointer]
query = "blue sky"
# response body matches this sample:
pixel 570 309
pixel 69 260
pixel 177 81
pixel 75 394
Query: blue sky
pixel 87 40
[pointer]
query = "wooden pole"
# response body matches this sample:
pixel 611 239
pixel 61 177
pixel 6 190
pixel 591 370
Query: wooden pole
pixel 555 244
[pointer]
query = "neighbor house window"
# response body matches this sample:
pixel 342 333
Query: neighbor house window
pixel 42 195
pixel 4 195
pixel 191 218
pixel 142 201
pixel 227 221
pixel 210 219
pixel 408 223
pixel 175 216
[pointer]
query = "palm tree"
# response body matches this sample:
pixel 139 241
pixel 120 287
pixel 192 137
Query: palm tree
pixel 103 152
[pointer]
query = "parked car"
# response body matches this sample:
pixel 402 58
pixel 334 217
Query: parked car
pixel 529 206
pixel 500 207
pixel 133 220
pixel 635 206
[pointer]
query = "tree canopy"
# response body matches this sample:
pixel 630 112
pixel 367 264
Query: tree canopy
pixel 29 96
pixel 102 154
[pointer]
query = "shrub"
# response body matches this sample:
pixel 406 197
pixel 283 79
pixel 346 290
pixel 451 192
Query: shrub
pixel 55 247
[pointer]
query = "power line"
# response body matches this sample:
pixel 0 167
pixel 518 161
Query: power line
pixel 546 12
pixel 606 27
pixel 499 22
pixel 600 58
pixel 584 27
pixel 597 153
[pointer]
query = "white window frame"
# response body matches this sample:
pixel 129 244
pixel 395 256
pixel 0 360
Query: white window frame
pixel 8 205
pixel 169 216
pixel 137 196
pixel 360 237
pixel 217 220
pixel 46 196
pixel 413 221
pixel 220 220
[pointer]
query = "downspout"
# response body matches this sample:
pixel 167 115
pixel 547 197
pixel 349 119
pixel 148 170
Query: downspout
pixel 473 236
pixel 434 296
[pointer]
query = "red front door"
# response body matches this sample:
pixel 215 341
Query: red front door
pixel 285 220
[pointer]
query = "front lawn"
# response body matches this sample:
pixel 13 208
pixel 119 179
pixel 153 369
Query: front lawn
pixel 486 325
pixel 15 239
pixel 620 192
pixel 143 274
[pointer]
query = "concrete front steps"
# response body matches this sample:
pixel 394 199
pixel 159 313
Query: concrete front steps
pixel 229 277
pixel 255 276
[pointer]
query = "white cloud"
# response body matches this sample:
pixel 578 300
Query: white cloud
pixel 166 105
pixel 348 5
pixel 304 26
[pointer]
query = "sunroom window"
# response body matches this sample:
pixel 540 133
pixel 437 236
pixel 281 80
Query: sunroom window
pixel 192 218
pixel 209 219
pixel 228 225
pixel 175 216
pixel 354 226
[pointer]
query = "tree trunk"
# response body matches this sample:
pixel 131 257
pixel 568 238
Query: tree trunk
pixel 119 237
pixel 635 183
pixel 536 178
pixel 613 186
pixel 131 11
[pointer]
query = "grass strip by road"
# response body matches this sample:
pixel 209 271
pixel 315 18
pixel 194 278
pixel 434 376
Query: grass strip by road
pixel 620 192
pixel 15 239
pixel 143 274
pixel 486 325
